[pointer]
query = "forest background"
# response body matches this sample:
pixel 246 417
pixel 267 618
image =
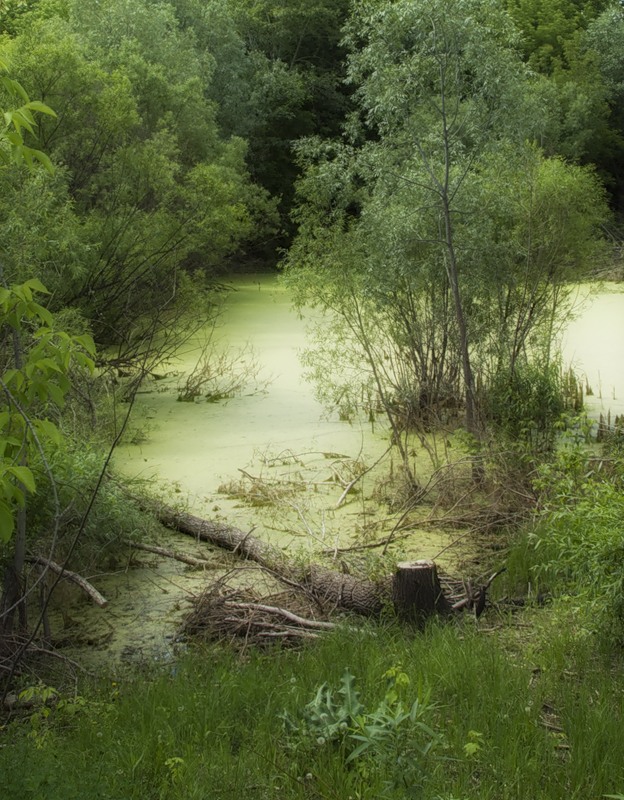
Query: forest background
pixel 435 175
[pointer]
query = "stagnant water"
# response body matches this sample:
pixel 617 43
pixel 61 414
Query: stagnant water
pixel 271 460
pixel 197 447
pixel 593 344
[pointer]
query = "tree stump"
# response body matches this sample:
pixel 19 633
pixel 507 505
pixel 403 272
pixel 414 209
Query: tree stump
pixel 416 591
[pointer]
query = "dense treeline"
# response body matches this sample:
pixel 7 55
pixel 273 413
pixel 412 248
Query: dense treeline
pixel 174 140
pixel 435 174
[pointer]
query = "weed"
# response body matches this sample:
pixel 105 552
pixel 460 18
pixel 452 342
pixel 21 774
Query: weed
pixel 393 737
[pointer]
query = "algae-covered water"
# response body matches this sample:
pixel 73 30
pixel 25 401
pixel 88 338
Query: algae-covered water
pixel 199 446
pixel 593 344
pixel 269 459
pixel 269 456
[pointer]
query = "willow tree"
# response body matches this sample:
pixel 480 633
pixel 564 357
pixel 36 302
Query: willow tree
pixel 424 215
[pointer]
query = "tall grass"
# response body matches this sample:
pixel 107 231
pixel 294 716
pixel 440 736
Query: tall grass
pixel 536 721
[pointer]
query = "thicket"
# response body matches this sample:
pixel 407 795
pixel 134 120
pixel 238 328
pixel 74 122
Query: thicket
pixel 166 162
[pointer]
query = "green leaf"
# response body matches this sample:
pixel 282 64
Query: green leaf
pixel 86 341
pixel 25 477
pixel 44 160
pixel 36 285
pixel 56 394
pixel 471 748
pixel 37 105
pixel 48 364
pixel 48 430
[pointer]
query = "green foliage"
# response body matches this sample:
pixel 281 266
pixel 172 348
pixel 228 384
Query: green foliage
pixel 443 239
pixel 37 380
pixel 526 406
pixel 392 737
pixel 149 192
pixel 579 535
pixel 276 73
pixel 153 731
pixel 19 121
pixel 51 710
pixel 548 27
pixel 114 518
pixel 576 49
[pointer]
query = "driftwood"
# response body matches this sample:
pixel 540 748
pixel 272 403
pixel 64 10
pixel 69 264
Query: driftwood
pixel 415 590
pixel 66 574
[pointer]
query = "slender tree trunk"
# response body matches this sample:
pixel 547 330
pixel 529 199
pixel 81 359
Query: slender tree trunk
pixel 453 277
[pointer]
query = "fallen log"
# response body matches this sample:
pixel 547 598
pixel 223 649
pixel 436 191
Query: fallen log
pixel 414 591
pixel 236 541
pixel 340 591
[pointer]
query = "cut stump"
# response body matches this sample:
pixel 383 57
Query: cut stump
pixel 416 591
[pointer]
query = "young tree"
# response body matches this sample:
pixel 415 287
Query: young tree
pixel 37 360
pixel 435 194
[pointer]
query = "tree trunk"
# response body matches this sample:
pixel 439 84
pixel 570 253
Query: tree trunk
pixel 416 591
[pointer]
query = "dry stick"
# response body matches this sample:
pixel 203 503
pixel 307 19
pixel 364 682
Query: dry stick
pixel 295 584
pixel 431 482
pixel 269 629
pixel 162 551
pixel 290 632
pixel 390 536
pixel 477 598
pixel 66 574
pixel 355 548
pixel 352 483
pixel 454 542
pixel 306 623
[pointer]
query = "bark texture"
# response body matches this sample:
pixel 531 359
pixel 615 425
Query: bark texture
pixel 416 591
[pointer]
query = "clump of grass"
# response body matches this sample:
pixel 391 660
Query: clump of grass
pixel 543 722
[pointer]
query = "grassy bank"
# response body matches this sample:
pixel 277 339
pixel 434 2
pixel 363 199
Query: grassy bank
pixel 517 712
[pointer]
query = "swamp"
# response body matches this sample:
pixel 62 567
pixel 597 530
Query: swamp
pixel 312 407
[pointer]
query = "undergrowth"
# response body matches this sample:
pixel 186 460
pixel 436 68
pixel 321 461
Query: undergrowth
pixel 453 713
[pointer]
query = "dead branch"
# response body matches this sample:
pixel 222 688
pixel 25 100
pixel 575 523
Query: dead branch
pixel 357 478
pixel 66 574
pixel 302 621
pixel 162 551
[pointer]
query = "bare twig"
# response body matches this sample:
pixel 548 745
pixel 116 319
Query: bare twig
pixel 282 612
